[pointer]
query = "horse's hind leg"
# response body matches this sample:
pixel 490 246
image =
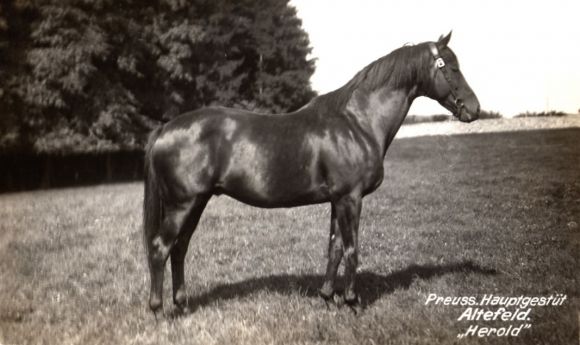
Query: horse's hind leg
pixel 180 249
pixel 160 245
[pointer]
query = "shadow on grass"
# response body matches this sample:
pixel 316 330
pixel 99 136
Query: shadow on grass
pixel 370 286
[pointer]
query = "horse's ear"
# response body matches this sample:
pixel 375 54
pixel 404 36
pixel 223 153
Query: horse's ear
pixel 444 41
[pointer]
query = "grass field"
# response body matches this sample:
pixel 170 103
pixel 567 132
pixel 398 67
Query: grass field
pixel 456 216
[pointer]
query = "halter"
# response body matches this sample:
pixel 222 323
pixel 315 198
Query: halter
pixel 440 63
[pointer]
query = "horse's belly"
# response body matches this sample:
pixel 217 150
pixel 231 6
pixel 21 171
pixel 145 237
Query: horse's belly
pixel 270 190
pixel 278 201
pixel 271 173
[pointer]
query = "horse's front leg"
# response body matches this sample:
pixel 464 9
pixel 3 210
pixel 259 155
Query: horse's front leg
pixel 348 209
pixel 335 252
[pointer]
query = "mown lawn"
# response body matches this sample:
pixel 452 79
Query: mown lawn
pixel 456 216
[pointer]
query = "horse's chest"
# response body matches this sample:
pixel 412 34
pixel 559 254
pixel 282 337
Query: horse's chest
pixel 361 170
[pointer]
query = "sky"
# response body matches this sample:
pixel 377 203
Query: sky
pixel 516 55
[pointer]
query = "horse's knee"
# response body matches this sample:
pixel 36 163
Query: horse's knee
pixel 351 256
pixel 157 254
pixel 336 245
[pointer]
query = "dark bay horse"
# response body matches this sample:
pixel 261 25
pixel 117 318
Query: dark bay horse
pixel 331 150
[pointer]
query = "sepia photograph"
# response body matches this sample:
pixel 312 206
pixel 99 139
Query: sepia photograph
pixel 289 172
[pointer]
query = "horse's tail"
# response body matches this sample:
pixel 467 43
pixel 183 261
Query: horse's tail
pixel 152 203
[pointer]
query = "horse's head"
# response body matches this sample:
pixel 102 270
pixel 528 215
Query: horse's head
pixel 448 86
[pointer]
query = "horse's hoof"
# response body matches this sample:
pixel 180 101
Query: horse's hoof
pixel 327 295
pixel 155 305
pixel 355 308
pixel 155 312
pixel 338 300
pixel 354 303
pixel 182 309
pixel 352 299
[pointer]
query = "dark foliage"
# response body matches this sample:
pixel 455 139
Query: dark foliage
pixel 484 114
pixel 30 171
pixel 411 119
pixel 542 114
pixel 488 114
pixel 86 76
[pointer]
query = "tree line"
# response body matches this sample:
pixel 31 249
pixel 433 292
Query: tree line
pixel 97 75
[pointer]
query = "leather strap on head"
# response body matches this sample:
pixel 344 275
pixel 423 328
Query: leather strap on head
pixel 440 63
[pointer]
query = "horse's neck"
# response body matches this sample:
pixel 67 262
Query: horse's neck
pixel 383 110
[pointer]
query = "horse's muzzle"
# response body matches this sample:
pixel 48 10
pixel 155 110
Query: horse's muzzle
pixel 468 110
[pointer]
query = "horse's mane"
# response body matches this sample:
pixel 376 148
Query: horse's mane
pixel 402 67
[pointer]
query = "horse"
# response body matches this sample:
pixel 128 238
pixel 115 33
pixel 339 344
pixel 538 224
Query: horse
pixel 330 150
